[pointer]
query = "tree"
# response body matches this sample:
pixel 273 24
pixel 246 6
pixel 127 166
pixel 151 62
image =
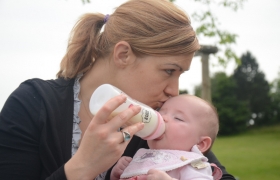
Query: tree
pixel 233 113
pixel 275 99
pixel 208 28
pixel 185 91
pixel 253 87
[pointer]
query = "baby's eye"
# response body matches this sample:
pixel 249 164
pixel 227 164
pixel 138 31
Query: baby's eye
pixel 178 119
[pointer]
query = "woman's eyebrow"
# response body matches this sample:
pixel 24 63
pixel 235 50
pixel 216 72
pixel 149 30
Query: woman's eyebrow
pixel 177 65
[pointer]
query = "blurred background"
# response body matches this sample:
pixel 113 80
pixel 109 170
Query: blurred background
pixel 244 75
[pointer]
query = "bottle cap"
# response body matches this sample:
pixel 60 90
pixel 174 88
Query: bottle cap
pixel 159 129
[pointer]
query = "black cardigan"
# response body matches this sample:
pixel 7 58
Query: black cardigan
pixel 36 126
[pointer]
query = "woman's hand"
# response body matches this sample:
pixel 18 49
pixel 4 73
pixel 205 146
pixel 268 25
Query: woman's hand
pixel 120 167
pixel 102 144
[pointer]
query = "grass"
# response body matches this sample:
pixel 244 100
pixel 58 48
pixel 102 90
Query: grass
pixel 254 155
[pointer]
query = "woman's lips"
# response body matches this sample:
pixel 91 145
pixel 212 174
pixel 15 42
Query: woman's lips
pixel 160 104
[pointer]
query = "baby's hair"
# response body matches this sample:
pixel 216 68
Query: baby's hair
pixel 151 27
pixel 213 124
pixel 210 119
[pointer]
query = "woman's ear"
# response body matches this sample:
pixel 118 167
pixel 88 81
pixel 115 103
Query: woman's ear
pixel 123 54
pixel 204 144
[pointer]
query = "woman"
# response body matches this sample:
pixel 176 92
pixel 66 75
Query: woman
pixel 46 129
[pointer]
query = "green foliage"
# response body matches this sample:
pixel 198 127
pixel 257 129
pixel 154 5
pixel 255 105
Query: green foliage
pixel 185 91
pixel 254 88
pixel 209 28
pixel 85 1
pixel 197 90
pixel 232 4
pixel 233 114
pixel 275 99
pixel 244 96
pixel 251 155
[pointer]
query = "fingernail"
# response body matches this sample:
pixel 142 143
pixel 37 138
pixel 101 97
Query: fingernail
pixel 138 108
pixel 123 96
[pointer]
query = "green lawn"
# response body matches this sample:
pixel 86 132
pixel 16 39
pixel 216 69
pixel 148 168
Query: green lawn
pixel 254 155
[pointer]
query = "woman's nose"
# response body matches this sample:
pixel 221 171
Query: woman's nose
pixel 172 89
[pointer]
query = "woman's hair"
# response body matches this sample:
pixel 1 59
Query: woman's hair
pixel 151 27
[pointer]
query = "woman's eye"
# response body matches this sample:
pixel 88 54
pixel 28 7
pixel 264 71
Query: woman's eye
pixel 169 71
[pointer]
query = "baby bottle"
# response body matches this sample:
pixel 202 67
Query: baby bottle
pixel 154 125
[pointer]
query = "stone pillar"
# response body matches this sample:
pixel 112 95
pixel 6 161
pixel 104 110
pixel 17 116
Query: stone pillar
pixel 204 52
pixel 206 82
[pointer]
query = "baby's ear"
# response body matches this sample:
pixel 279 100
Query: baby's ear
pixel 204 144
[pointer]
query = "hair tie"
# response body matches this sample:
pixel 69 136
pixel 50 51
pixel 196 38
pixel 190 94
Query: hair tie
pixel 106 18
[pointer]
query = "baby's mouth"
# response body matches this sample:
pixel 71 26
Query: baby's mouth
pixel 159 138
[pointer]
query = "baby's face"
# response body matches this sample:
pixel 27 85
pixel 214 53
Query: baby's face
pixel 183 128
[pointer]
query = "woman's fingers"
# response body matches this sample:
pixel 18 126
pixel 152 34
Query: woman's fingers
pixel 120 119
pixel 128 132
pixel 102 115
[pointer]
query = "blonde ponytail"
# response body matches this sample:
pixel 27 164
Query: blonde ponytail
pixel 80 51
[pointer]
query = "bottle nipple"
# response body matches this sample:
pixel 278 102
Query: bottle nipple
pixel 159 129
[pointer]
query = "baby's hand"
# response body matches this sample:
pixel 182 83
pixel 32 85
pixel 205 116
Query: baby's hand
pixel 120 167
pixel 154 174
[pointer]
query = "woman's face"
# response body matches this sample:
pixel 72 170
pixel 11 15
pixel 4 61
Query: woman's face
pixel 153 79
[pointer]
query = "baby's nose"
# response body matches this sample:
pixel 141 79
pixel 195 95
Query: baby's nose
pixel 165 119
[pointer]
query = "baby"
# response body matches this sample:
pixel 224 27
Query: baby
pixel 192 125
